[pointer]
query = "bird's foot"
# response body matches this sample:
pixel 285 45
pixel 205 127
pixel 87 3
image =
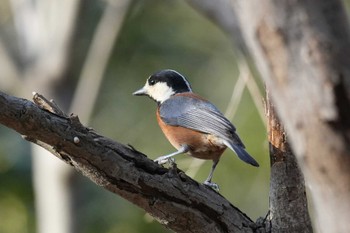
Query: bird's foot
pixel 165 159
pixel 212 185
pixel 168 158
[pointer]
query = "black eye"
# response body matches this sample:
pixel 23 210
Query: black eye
pixel 152 82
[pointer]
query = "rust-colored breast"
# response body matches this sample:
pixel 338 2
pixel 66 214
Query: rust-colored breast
pixel 202 146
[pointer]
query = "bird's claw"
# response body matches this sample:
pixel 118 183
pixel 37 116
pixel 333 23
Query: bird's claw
pixel 212 185
pixel 171 162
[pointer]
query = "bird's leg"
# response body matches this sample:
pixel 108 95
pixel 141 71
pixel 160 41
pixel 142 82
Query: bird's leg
pixel 168 158
pixel 208 180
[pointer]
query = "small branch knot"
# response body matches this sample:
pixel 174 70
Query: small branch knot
pixel 48 105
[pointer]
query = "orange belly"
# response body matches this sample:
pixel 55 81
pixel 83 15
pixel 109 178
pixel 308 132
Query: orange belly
pixel 202 146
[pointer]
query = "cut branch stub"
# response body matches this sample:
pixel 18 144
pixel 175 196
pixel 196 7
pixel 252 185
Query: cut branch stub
pixel 288 202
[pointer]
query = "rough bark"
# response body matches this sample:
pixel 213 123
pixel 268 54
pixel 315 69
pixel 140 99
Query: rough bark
pixel 301 49
pixel 288 202
pixel 174 199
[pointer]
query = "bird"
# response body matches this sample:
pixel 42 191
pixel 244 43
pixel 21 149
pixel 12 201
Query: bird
pixel 192 124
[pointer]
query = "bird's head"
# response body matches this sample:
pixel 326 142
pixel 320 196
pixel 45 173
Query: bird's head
pixel 161 85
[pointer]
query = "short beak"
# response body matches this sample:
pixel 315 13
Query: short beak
pixel 142 91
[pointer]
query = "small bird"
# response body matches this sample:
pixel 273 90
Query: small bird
pixel 191 123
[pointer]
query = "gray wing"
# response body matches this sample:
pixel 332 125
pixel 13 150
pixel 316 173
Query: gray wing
pixel 199 115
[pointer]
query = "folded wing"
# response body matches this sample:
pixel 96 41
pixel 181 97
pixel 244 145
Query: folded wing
pixel 202 116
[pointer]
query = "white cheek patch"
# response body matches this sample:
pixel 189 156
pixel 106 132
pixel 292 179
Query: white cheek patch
pixel 160 91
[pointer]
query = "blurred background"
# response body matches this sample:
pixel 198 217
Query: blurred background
pixel 89 56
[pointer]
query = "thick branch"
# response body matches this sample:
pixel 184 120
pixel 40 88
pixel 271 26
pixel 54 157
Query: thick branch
pixel 174 199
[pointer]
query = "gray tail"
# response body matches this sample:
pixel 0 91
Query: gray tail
pixel 242 154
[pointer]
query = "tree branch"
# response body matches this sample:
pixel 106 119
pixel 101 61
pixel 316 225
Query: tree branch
pixel 174 199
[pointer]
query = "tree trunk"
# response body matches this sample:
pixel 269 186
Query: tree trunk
pixel 301 49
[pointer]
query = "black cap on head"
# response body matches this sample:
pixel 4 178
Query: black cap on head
pixel 172 78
